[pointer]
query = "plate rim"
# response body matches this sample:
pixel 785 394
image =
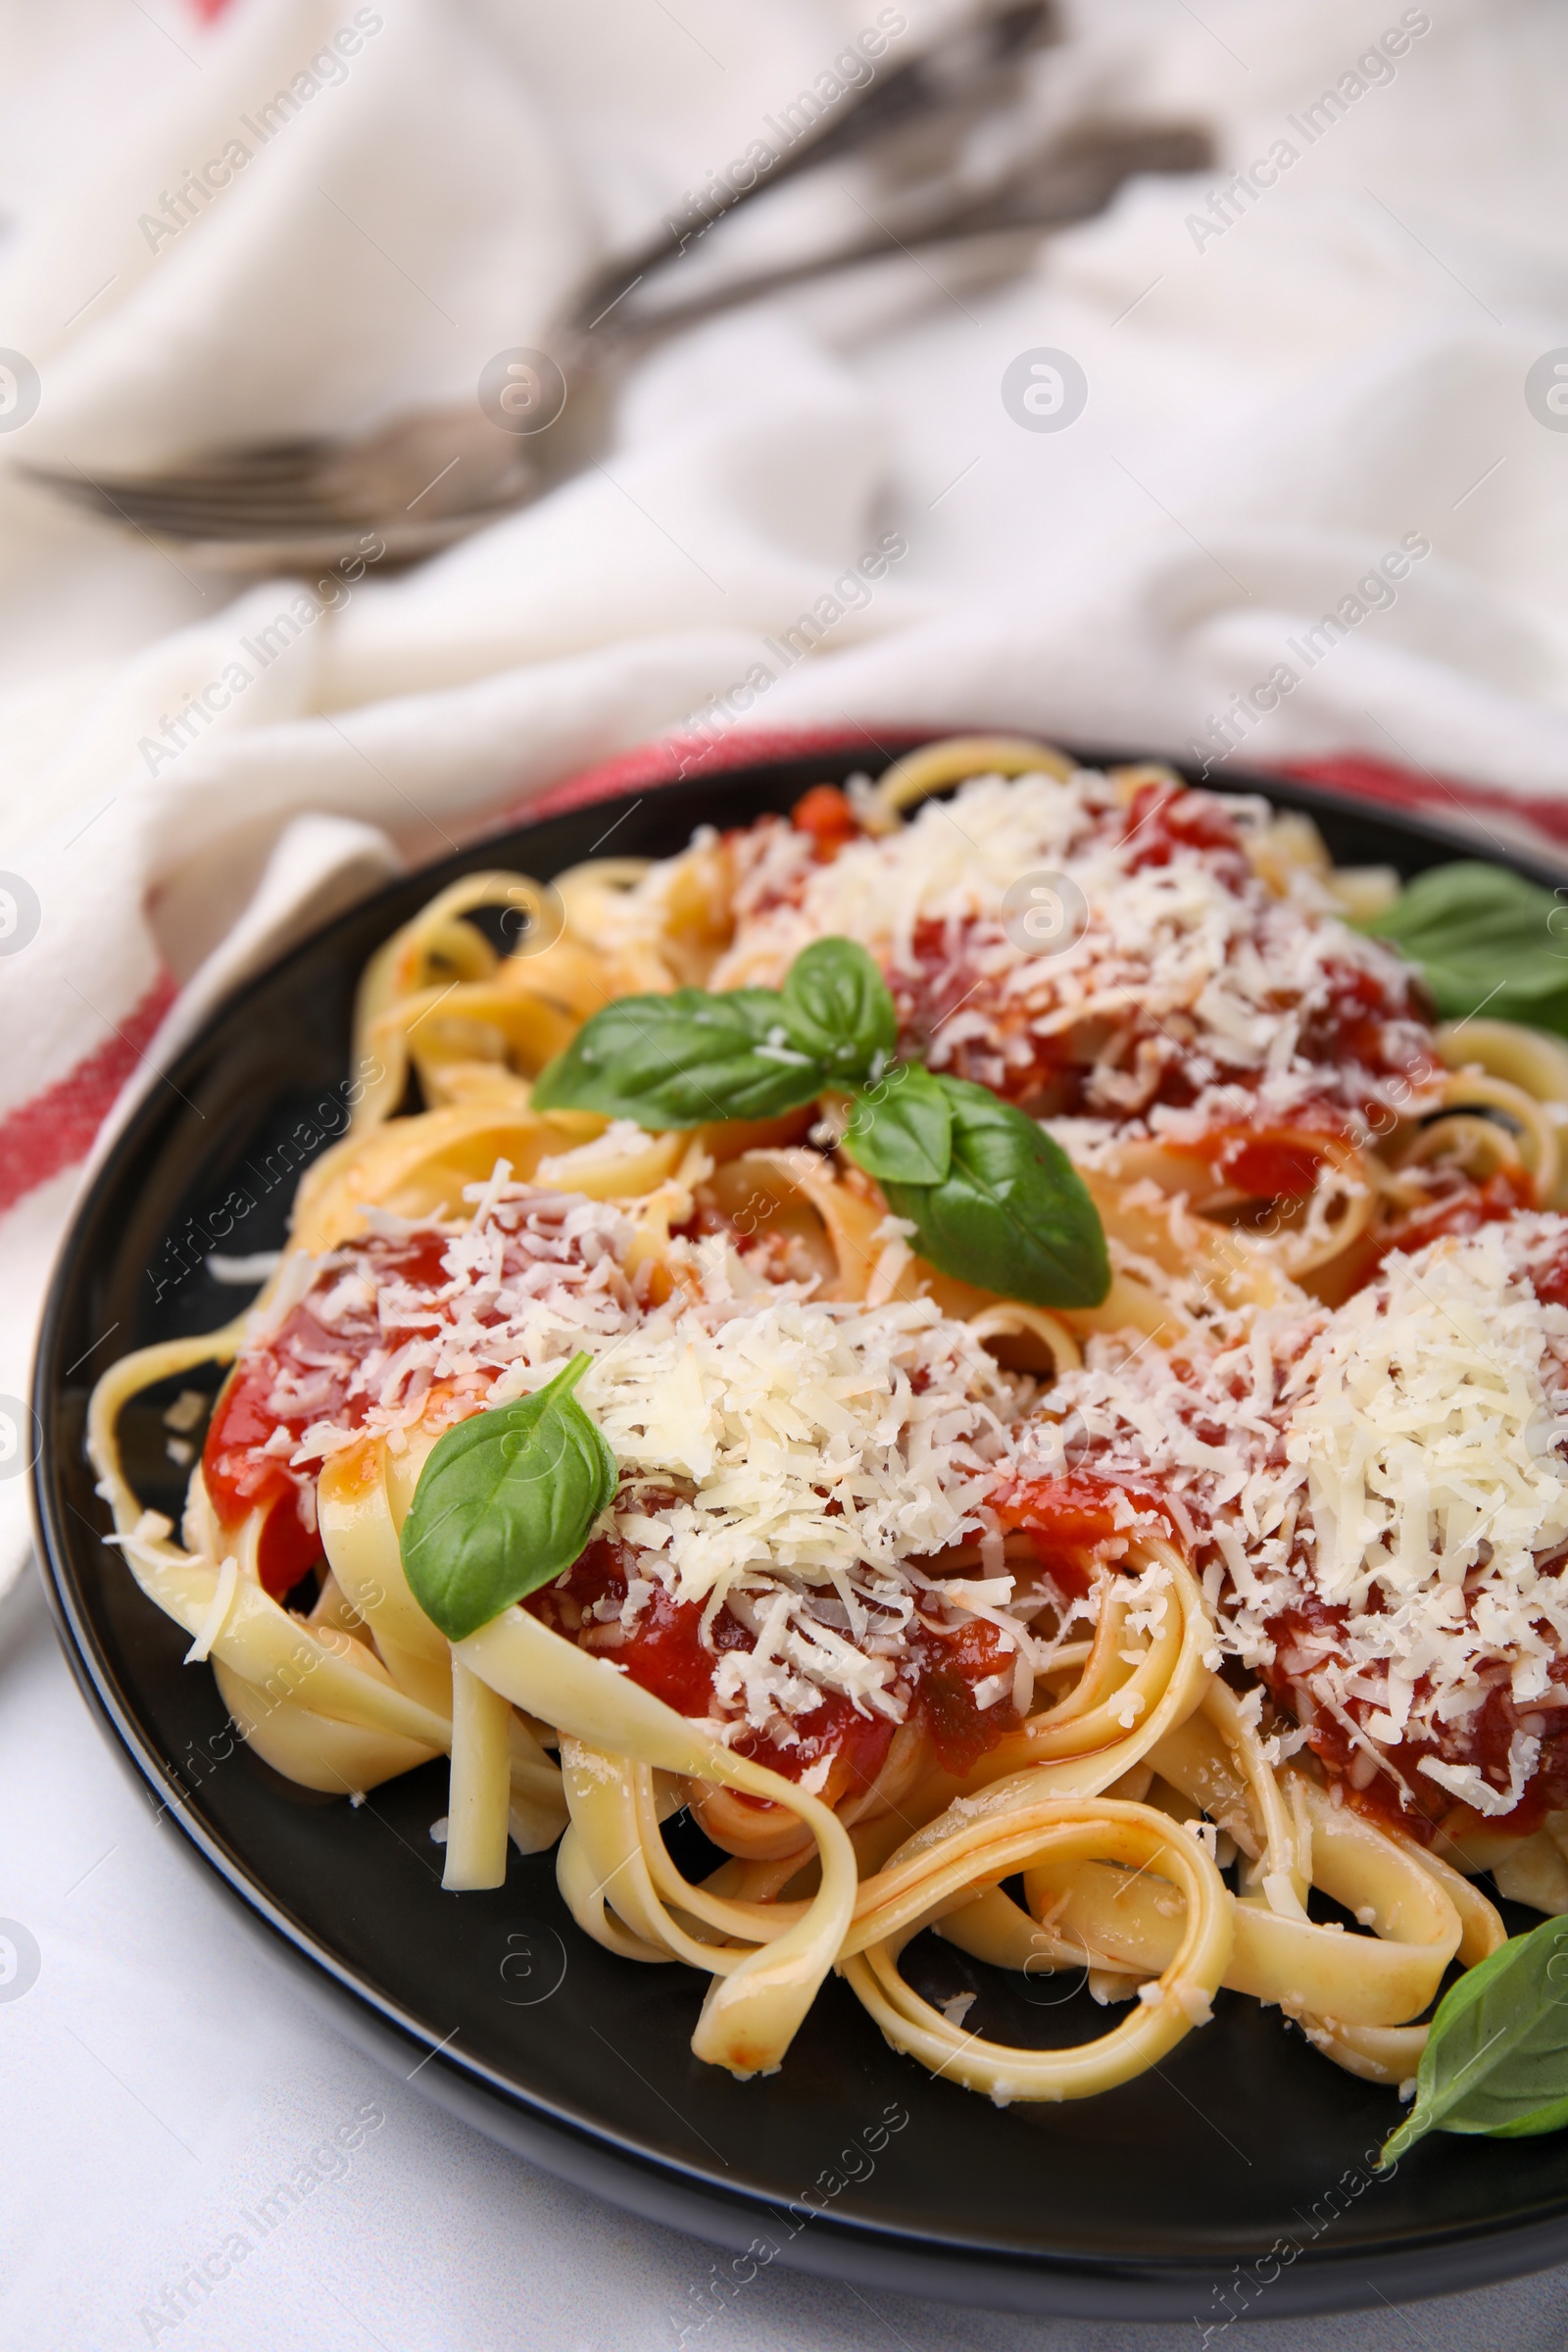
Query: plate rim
pixel 662 2187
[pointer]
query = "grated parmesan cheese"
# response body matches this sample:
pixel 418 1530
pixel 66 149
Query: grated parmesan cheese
pixel 1380 1493
pixel 1437 1482
pixel 789 1458
pixel 1192 963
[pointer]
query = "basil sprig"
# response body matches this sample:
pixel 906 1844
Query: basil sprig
pixel 1484 939
pixel 900 1131
pixel 837 1006
pixel 994 1201
pixel 1496 2057
pixel 1011 1213
pixel 505 1504
pixel 681 1060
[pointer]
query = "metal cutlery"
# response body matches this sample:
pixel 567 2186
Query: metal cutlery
pixel 423 480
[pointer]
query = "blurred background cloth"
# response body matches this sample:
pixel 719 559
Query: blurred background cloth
pixel 1288 388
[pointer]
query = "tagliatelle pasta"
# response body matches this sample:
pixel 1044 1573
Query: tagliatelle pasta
pixel 1205 1639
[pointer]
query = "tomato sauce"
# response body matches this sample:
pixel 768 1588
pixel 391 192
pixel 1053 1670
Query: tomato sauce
pixel 1162 819
pixel 1272 1164
pixel 665 1652
pixel 1422 1803
pixel 1458 1205
pixel 313 1364
pixel 1366 1035
pixel 1077 1529
pixel 947 1669
pixel 1359 1048
pixel 1367 1031
pixel 1353 1023
pixel 826 814
pixel 1549 1281
pixel 663 1649
pixel 1079 1523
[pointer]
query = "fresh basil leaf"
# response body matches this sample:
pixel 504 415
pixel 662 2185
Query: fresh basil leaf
pixel 1496 2057
pixel 900 1131
pixel 505 1504
pixel 1484 937
pixel 1012 1214
pixel 839 1009
pixel 683 1059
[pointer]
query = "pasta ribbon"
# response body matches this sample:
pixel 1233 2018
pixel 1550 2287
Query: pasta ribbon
pixel 1008 1828
pixel 758 1995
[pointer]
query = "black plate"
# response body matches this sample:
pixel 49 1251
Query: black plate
pixel 1236 2177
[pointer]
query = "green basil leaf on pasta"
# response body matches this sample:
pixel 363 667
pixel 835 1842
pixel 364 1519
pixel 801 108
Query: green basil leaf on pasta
pixel 1496 2056
pixel 683 1059
pixel 1012 1214
pixel 839 1009
pixel 1484 938
pixel 900 1130
pixel 505 1504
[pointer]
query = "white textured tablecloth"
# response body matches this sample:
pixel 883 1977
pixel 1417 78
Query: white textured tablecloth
pixel 1351 354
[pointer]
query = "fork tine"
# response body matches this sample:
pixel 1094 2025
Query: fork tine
pixel 226 524
pixel 189 507
pixel 175 488
pixel 216 506
pixel 264 514
pixel 292 462
pixel 279 539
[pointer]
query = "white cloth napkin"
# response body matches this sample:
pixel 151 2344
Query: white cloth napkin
pixel 1289 385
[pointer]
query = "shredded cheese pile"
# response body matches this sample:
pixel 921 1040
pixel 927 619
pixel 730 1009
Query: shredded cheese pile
pixel 817 1436
pixel 1194 961
pixel 783 1456
pixel 530 1284
pixel 820 1445
pixel 1400 1462
pixel 1429 1419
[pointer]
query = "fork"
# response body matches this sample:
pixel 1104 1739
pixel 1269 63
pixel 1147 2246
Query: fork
pixel 424 480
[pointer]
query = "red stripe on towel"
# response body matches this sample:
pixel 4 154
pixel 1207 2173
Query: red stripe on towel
pixel 56 1127
pixel 1436 796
